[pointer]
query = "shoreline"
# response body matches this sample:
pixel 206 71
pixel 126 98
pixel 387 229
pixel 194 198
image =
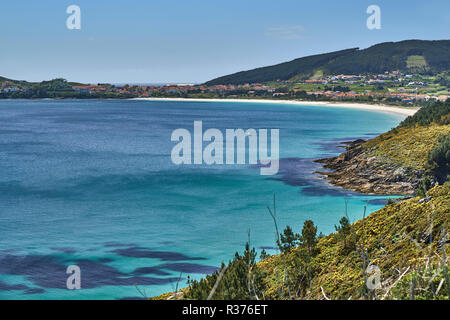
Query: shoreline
pixel 361 106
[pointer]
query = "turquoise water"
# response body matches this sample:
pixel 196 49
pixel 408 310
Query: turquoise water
pixel 91 183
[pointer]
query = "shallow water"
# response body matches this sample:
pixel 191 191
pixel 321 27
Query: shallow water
pixel 91 183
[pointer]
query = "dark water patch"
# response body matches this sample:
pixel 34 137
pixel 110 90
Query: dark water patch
pixel 117 244
pixel 150 270
pixel 378 202
pixel 64 250
pixel 44 271
pixel 10 287
pixel 138 252
pixel 6 251
pixel 96 275
pixel 296 171
pixel 132 298
pixel 29 265
pixel 34 291
pixel 165 243
pixel 189 268
pixel 299 172
pixel 50 272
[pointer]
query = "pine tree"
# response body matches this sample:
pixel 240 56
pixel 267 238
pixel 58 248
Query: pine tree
pixel 343 229
pixel 308 237
pixel 288 240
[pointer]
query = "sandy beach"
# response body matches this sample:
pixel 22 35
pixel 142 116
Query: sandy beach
pixel 407 111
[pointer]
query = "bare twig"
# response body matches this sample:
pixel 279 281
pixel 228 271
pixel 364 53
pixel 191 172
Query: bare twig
pixel 141 292
pixel 178 281
pixel 324 295
pixel 440 286
pixel 393 285
pixel 274 217
pixel 219 278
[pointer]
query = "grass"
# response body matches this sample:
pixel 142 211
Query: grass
pixel 318 74
pixel 416 62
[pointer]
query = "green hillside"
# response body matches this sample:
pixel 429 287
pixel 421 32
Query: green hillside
pixel 5 79
pixel 283 71
pixel 414 56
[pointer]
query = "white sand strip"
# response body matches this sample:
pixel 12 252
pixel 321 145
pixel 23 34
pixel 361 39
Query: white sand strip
pixel 407 111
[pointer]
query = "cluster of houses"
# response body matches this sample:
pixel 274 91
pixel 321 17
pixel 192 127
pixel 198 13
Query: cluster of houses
pixel 147 91
pixel 394 77
pixel 404 97
pixel 221 89
pixel 250 89
pixel 406 92
pixel 9 86
pixel 92 88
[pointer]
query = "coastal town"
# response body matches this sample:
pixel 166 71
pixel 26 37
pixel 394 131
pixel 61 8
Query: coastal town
pixel 391 87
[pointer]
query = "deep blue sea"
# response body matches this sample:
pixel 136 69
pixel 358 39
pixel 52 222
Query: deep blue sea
pixel 91 183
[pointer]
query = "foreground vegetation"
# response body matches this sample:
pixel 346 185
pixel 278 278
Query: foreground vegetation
pixel 397 252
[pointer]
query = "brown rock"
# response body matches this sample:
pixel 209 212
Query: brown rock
pixel 355 170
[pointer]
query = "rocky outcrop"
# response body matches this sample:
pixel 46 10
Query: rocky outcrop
pixel 358 170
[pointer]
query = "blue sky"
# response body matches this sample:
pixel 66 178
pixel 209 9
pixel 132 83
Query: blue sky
pixel 191 41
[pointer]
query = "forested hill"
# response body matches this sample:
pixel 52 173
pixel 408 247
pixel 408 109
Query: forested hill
pixel 412 56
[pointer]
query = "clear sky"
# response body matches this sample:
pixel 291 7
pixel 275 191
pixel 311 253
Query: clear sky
pixel 191 41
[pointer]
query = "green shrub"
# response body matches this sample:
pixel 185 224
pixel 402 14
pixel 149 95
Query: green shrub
pixel 439 159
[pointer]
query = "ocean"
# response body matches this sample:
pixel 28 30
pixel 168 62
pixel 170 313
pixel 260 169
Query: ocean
pixel 91 183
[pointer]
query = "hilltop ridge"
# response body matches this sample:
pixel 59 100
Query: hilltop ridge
pixel 417 56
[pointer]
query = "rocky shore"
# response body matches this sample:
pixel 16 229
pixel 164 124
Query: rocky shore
pixel 356 169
